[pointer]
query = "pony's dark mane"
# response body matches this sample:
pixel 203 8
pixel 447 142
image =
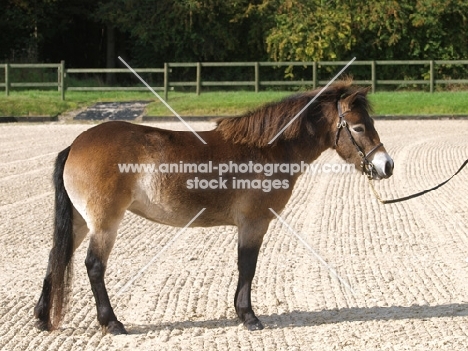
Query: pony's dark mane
pixel 258 127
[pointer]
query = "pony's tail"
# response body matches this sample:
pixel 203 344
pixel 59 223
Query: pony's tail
pixel 60 261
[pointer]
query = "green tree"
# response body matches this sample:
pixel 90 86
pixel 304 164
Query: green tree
pixel 20 24
pixel 311 30
pixel 185 30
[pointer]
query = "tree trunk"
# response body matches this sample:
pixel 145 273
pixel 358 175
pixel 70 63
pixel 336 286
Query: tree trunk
pixel 110 53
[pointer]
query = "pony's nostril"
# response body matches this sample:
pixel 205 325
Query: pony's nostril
pixel 388 168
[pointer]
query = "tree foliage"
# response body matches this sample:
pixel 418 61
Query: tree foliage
pixel 150 32
pixel 307 30
pixel 186 30
pixel 311 30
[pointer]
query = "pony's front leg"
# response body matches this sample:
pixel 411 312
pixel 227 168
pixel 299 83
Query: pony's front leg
pixel 250 240
pixel 96 260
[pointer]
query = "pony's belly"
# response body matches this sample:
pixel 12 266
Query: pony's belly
pixel 159 214
pixel 167 200
pixel 178 209
pixel 179 217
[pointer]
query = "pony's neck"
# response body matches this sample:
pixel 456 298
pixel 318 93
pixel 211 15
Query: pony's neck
pixel 308 148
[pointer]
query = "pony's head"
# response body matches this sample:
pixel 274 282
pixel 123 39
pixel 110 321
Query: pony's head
pixel 356 139
pixel 338 118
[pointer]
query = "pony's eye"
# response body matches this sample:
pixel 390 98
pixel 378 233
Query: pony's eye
pixel 358 129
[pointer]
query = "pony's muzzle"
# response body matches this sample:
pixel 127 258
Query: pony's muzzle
pixel 383 165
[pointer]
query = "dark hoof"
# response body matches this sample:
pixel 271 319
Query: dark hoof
pixel 253 325
pixel 116 328
pixel 41 325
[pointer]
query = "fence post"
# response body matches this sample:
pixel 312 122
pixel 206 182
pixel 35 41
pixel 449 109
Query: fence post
pixel 314 75
pixel 373 76
pixel 7 79
pixel 431 76
pixel 198 89
pixel 257 77
pixel 166 81
pixel 62 79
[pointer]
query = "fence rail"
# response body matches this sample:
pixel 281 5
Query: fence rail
pixel 62 83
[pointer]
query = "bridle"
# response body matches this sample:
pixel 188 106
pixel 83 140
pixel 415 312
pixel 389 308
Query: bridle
pixel 366 166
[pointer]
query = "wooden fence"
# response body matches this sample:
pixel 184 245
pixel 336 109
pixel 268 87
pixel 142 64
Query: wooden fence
pixel 256 82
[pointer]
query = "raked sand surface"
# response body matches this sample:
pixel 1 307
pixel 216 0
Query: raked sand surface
pixel 407 263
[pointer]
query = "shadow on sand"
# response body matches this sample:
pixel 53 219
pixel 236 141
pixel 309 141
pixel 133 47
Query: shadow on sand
pixel 296 319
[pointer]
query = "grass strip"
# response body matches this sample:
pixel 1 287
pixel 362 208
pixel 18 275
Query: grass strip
pixel 48 103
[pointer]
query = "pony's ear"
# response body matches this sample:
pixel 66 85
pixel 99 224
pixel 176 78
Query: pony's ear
pixel 365 91
pixel 348 99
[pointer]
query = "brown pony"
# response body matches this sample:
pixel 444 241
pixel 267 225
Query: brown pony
pixel 93 191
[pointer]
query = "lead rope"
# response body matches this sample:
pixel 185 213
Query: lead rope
pixel 413 195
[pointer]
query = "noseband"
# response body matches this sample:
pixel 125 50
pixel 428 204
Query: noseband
pixel 366 166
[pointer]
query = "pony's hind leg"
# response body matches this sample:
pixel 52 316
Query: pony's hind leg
pixel 100 246
pixel 250 239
